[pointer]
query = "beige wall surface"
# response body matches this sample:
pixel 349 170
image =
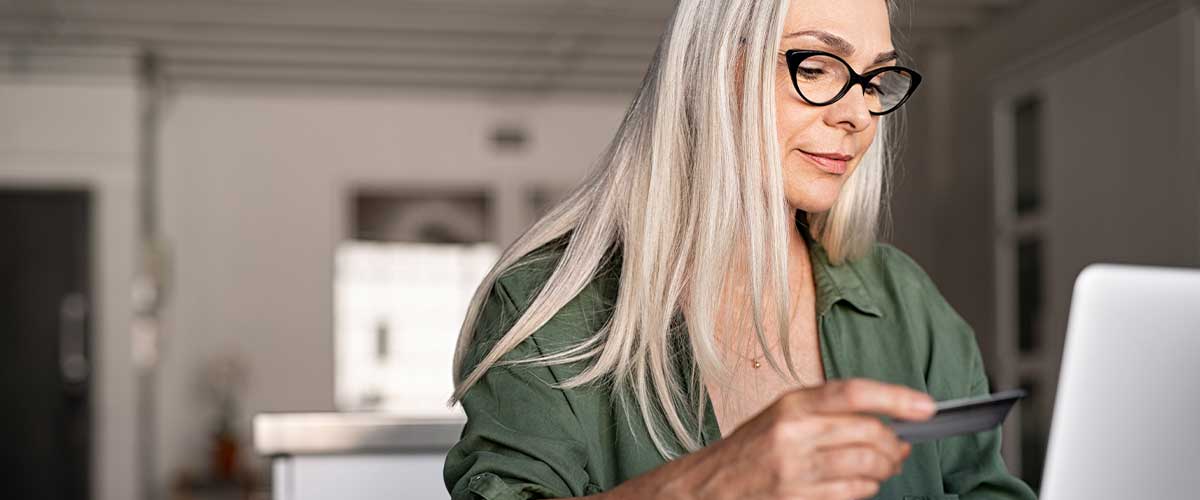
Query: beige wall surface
pixel 254 188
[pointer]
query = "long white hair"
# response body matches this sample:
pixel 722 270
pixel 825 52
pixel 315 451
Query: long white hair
pixel 694 161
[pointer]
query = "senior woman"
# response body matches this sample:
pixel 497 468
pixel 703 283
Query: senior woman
pixel 708 316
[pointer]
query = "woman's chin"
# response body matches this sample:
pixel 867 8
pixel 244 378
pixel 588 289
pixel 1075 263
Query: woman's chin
pixel 812 208
pixel 815 200
pixel 813 191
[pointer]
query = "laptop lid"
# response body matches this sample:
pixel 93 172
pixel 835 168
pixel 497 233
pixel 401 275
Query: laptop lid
pixel 1127 413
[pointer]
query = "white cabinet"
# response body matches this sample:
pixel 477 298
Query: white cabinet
pixel 347 456
pixel 416 475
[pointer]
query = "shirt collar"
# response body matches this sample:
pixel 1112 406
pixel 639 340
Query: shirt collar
pixel 834 283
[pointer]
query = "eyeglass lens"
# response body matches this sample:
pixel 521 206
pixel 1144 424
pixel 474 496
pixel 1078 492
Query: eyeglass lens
pixel 820 78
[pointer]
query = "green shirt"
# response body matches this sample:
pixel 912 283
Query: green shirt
pixel 880 317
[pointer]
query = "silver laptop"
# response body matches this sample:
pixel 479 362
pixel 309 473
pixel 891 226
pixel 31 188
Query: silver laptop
pixel 1127 415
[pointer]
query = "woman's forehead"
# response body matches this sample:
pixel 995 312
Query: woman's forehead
pixel 863 25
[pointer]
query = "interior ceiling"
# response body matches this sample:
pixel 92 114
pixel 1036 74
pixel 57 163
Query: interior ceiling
pixel 517 45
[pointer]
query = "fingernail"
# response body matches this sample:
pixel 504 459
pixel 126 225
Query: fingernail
pixel 924 404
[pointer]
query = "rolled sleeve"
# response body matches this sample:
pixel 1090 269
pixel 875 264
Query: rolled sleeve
pixel 520 441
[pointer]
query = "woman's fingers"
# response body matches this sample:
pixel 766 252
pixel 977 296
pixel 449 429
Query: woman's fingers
pixel 847 430
pixel 813 443
pixel 851 462
pixel 845 489
pixel 866 396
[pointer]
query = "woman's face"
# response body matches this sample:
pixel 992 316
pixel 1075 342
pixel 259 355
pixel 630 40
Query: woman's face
pixel 857 31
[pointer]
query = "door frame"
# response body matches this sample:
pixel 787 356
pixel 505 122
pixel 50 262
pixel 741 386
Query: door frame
pixel 110 180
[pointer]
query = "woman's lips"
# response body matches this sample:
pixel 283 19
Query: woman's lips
pixel 836 167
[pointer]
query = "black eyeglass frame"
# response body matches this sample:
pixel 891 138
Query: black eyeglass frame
pixel 795 56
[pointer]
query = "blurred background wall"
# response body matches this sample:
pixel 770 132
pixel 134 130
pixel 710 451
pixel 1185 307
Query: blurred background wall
pixel 1048 134
pixel 256 199
pixel 1063 133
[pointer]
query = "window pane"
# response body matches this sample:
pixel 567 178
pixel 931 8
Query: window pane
pixel 401 290
pixel 1029 293
pixel 399 307
pixel 1028 119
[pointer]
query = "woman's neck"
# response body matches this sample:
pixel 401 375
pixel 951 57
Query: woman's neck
pixel 799 282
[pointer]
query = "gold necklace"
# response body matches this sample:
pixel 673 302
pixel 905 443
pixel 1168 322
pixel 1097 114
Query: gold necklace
pixel 756 364
pixel 755 361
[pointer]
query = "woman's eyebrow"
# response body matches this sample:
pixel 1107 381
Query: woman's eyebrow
pixel 840 46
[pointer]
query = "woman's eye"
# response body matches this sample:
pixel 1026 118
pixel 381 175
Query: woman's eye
pixel 875 89
pixel 809 72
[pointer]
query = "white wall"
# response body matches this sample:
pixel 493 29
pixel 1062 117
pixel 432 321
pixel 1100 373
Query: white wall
pixel 253 187
pixel 55 133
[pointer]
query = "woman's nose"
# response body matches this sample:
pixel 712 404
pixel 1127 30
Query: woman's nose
pixel 850 111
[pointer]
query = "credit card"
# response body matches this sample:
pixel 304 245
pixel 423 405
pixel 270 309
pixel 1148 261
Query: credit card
pixel 959 416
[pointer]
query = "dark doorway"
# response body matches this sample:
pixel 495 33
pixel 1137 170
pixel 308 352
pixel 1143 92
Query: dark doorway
pixel 45 343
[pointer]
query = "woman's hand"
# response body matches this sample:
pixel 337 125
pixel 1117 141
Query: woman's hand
pixel 813 443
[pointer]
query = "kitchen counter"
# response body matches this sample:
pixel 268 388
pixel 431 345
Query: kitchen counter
pixel 339 433
pixel 355 456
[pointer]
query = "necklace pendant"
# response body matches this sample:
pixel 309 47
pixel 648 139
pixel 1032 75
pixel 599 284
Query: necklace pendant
pixel 757 364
